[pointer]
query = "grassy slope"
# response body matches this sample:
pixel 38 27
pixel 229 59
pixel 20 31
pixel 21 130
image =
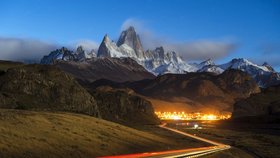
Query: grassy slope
pixel 262 145
pixel 44 134
pixel 231 153
pixel 4 65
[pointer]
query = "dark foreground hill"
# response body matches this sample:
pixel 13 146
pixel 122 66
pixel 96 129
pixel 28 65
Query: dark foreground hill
pixel 46 87
pixel 265 105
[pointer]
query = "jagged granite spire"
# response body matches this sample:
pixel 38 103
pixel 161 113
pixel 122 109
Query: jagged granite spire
pixel 103 50
pixel 131 38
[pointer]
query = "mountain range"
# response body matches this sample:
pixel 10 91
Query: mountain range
pixel 195 91
pixel 159 61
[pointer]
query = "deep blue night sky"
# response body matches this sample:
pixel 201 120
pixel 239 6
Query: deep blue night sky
pixel 252 26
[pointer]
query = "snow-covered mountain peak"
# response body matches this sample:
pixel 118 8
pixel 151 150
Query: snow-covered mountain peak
pixel 80 49
pixel 67 55
pixel 81 54
pixel 106 38
pixel 58 54
pixel 159 49
pixel 269 67
pixel 159 52
pixel 244 65
pixel 211 68
pixel 208 62
pixel 157 61
pixel 108 48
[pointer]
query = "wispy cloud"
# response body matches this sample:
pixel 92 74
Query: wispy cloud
pixel 203 49
pixel 136 23
pixel 88 45
pixel 195 50
pixel 269 52
pixel 20 49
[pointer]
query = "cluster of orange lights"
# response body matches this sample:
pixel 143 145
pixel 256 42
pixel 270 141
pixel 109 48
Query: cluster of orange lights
pixel 190 116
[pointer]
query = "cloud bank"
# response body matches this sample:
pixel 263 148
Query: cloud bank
pixel 32 50
pixel 204 49
pixel 197 50
pixel 20 49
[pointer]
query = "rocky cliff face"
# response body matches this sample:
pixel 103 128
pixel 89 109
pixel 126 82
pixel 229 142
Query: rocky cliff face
pixel 123 106
pixel 262 104
pixel 44 87
pixel 238 83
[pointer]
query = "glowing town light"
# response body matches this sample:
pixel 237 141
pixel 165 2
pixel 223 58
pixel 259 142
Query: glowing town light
pixel 211 117
pixel 190 116
pixel 175 117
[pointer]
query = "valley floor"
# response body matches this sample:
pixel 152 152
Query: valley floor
pixel 247 140
pixel 46 134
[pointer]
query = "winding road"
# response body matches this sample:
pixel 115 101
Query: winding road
pixel 187 153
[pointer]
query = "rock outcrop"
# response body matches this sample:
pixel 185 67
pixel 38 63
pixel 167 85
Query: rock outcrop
pixel 123 106
pixel 44 87
pixel 266 103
